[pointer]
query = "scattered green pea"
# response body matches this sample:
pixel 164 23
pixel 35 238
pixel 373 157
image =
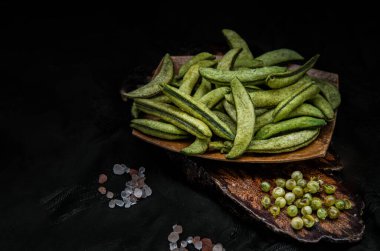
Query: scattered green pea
pixel 308 221
pixel 302 183
pixel 312 186
pixel 274 210
pixel 316 203
pixel 290 197
pixel 265 201
pixel 347 204
pixel 304 202
pixel 280 182
pixel 297 175
pixel 308 196
pixel 298 191
pixel 292 211
pixel 340 204
pixel 306 210
pixel 322 213
pixel 280 202
pixel 333 212
pixel 329 200
pixel 278 192
pixel 290 184
pixel 265 186
pixel 297 223
pixel 329 189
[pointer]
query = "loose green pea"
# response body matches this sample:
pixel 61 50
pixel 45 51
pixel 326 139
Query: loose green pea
pixel 312 186
pixel 298 191
pixel 297 223
pixel 322 213
pixel 308 221
pixel 280 202
pixel 290 184
pixel 329 200
pixel 316 203
pixel 265 201
pixel 292 211
pixel 329 189
pixel 340 204
pixel 302 183
pixel 265 186
pixel 289 197
pixel 333 212
pixel 347 204
pixel 274 210
pixel 280 182
pixel 278 192
pixel 308 196
pixel 304 202
pixel 306 210
pixel 297 175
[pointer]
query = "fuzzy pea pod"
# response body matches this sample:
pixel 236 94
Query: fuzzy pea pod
pixel 230 109
pixel 151 89
pixel 279 56
pixel 294 124
pixel 215 145
pixel 227 61
pixel 175 116
pixel 322 104
pixel 329 91
pixel 300 95
pixel 203 89
pixel 190 79
pixel 161 98
pixel 199 57
pixel 199 146
pixel 198 110
pixel 245 118
pixel 213 97
pixel 158 129
pixel 226 119
pixel 279 80
pixel 234 40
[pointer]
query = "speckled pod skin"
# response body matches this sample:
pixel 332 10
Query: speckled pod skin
pixel 157 133
pixel 234 40
pixel 226 119
pixel 279 56
pixel 329 91
pixel 214 96
pixel 203 89
pixel 245 117
pixel 192 76
pixel 199 146
pixel 151 89
pixel 199 57
pixel 322 104
pixel 160 126
pixel 215 146
pixel 230 109
pixel 227 61
pixel 175 116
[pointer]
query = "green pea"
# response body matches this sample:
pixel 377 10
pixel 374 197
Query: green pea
pixel 329 200
pixel 265 186
pixel 308 196
pixel 306 210
pixel 278 192
pixel 333 212
pixel 274 210
pixel 290 184
pixel 298 191
pixel 302 183
pixel 340 204
pixel 280 182
pixel 297 175
pixel 322 213
pixel 329 189
pixel 297 223
pixel 347 204
pixel 316 203
pixel 308 221
pixel 265 201
pixel 292 211
pixel 303 202
pixel 289 197
pixel 313 186
pixel 280 202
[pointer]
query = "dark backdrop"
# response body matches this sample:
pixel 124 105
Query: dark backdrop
pixel 63 122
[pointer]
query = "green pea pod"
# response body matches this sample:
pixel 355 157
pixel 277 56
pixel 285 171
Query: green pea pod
pixel 199 146
pixel 250 76
pixel 264 119
pixel 151 89
pixel 199 57
pixel 234 40
pixel 260 111
pixel 158 129
pixel 284 143
pixel 176 82
pixel 300 95
pixel 230 109
pixel 134 111
pixel 215 146
pixel 322 104
pixel 203 89
pixel 279 80
pixel 279 56
pixel 190 79
pixel 207 63
pixel 226 119
pixel 219 106
pixel 198 110
pixel 175 116
pixel 161 98
pixel 213 97
pixel 227 61
pixel 245 116
pixel 329 91
pixel 294 124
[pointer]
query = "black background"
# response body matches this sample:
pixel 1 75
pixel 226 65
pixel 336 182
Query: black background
pixel 63 122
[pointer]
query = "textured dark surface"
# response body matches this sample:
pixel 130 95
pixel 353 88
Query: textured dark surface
pixel 63 122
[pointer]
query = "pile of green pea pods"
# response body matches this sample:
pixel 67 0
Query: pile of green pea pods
pixel 302 199
pixel 238 104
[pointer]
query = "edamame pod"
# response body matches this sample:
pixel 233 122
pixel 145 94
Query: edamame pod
pixel 151 89
pixel 234 40
pixel 199 146
pixel 198 110
pixel 134 111
pixel 279 56
pixel 245 116
pixel 322 104
pixel 230 109
pixel 300 95
pixel 329 91
pixel 214 96
pixel 203 89
pixel 226 119
pixel 199 57
pixel 299 123
pixel 227 61
pixel 160 126
pixel 279 80
pixel 175 116
pixel 251 76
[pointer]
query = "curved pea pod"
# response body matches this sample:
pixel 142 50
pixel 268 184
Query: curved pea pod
pixel 161 98
pixel 329 91
pixel 260 111
pixel 198 110
pixel 227 61
pixel 158 129
pixel 300 95
pixel 234 40
pixel 175 116
pixel 199 57
pixel 230 109
pixel 199 146
pixel 294 124
pixel 215 145
pixel 203 89
pixel 322 104
pixel 284 143
pixel 151 89
pixel 250 76
pixel 245 119
pixel 190 79
pixel 279 56
pixel 279 80
pixel 213 97
pixel 264 119
pixel 134 111
pixel 219 106
pixel 226 119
